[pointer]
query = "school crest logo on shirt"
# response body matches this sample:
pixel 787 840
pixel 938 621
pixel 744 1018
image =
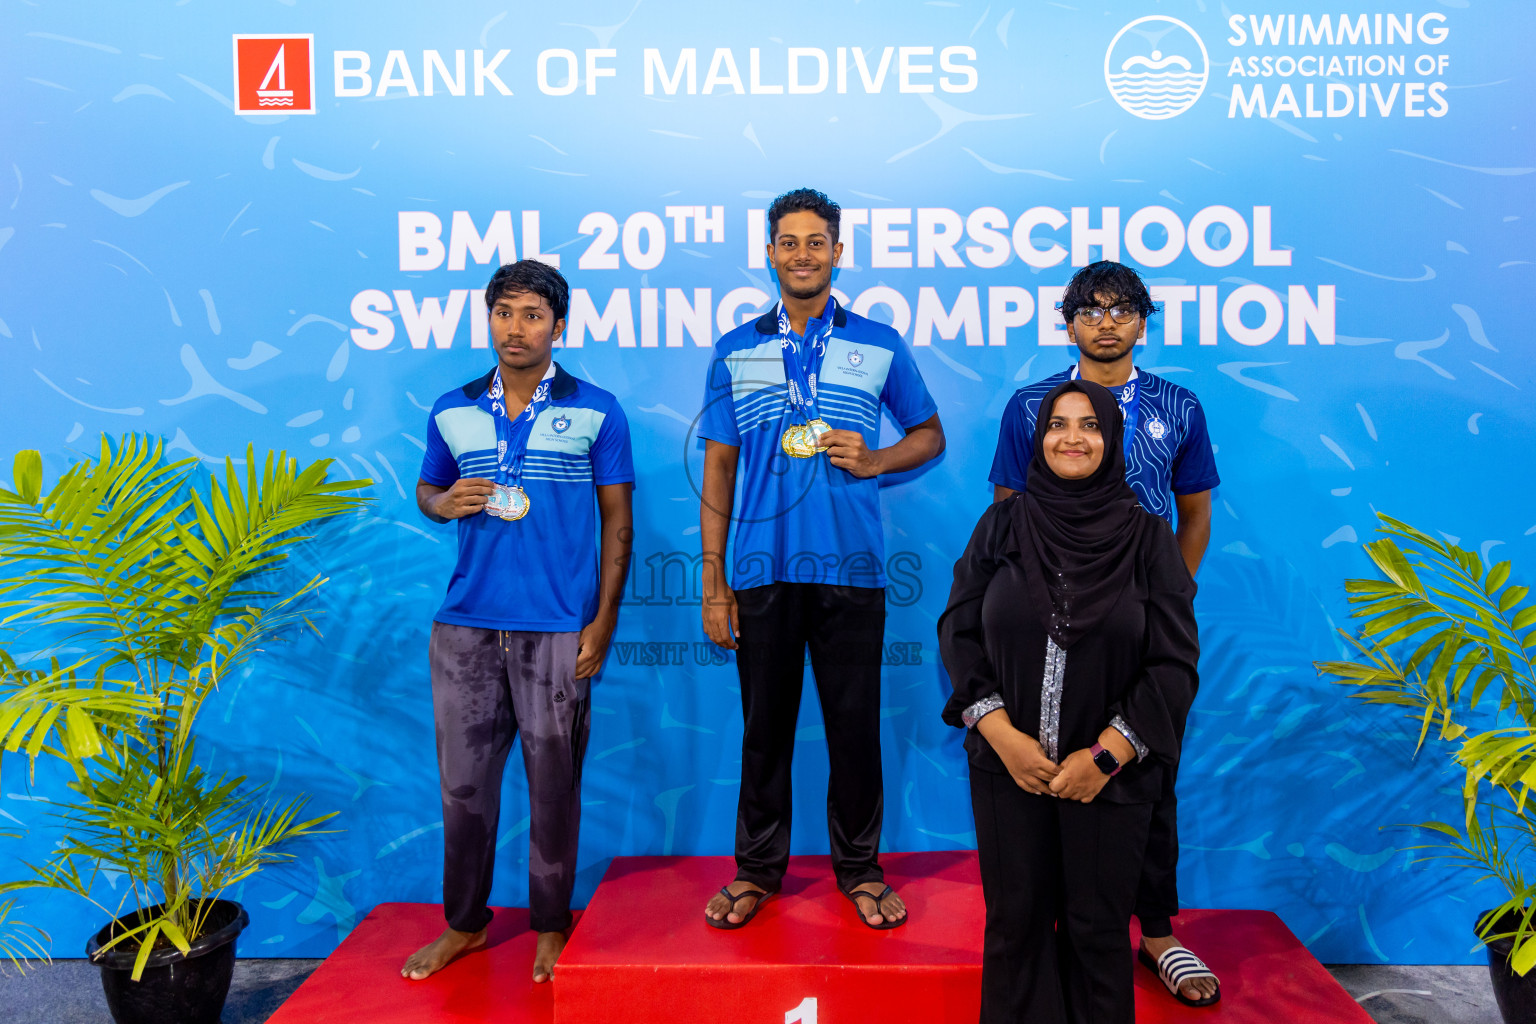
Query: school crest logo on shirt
pixel 561 424
pixel 1156 428
pixel 855 357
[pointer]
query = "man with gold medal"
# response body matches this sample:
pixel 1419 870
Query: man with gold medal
pixel 792 411
pixel 532 464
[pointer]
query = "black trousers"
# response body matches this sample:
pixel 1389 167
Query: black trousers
pixel 1157 896
pixel 844 628
pixel 1059 879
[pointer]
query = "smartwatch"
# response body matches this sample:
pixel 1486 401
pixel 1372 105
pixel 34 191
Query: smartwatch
pixel 1106 761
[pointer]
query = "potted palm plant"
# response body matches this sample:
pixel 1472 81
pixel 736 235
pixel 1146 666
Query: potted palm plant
pixel 1452 640
pixel 167 579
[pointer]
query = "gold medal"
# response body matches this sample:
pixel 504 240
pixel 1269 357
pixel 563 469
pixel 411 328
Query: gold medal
pixel 517 504
pixel 814 430
pixel 797 444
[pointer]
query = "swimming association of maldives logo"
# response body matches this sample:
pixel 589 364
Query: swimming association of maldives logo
pixel 1156 67
pixel 274 74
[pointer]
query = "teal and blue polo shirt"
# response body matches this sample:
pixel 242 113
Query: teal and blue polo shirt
pixel 538 573
pixel 805 520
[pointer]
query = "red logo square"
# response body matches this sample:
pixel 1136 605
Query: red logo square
pixel 274 74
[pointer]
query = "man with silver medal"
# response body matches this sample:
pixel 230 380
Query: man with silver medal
pixel 530 608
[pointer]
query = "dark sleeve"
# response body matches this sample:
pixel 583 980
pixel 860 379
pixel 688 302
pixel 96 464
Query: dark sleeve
pixel 961 644
pixel 1194 467
pixel 1157 704
pixel 1015 441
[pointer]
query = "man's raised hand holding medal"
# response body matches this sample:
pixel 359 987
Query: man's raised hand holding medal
pixel 846 450
pixel 465 497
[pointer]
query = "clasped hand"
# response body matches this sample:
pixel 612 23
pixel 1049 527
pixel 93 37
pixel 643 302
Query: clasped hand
pixel 1025 760
pixel 1078 778
pixel 1075 778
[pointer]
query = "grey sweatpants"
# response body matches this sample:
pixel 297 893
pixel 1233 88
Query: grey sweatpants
pixel 487 686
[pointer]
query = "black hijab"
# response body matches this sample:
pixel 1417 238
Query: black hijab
pixel 1077 538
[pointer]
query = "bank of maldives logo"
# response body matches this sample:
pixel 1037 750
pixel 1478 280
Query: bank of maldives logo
pixel 1156 67
pixel 274 74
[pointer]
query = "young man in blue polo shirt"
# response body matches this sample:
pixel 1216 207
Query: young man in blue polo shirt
pixel 521 457
pixel 1170 465
pixel 791 411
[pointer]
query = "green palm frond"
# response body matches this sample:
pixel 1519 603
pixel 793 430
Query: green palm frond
pixel 1439 634
pixel 169 581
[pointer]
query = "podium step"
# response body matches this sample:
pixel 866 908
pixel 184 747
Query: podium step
pixel 361 980
pixel 642 954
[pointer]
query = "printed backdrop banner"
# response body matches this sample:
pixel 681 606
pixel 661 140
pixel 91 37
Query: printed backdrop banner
pixel 272 223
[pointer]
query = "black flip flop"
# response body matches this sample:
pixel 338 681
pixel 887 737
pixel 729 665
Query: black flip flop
pixel 725 922
pixel 888 923
pixel 1175 967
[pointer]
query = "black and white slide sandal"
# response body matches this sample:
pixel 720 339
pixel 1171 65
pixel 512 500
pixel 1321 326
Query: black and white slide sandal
pixel 1177 966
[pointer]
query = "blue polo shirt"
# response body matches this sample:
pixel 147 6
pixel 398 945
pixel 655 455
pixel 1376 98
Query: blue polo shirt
pixel 1170 452
pixel 805 520
pixel 538 573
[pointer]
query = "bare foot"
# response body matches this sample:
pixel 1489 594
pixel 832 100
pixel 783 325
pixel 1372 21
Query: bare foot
pixel 1196 988
pixel 439 953
pixel 545 955
pixel 889 908
pixel 721 909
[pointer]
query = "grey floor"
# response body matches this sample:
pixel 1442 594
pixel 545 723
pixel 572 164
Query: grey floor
pixel 68 992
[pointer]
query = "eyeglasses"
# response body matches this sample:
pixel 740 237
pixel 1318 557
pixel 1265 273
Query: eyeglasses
pixel 1121 314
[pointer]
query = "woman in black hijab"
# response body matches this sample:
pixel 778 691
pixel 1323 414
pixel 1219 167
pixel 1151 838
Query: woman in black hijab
pixel 1070 641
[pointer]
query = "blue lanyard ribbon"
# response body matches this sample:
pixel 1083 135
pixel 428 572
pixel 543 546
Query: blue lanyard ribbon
pixel 512 435
pixel 802 367
pixel 1128 397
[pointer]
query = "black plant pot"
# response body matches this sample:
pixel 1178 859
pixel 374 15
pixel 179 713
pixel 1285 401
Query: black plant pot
pixel 1515 995
pixel 176 988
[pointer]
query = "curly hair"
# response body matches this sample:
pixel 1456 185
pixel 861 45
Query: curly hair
pixel 807 199
pixel 1117 282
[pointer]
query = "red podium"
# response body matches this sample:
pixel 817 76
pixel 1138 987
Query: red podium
pixel 642 954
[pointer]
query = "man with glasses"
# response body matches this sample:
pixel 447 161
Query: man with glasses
pixel 1170 465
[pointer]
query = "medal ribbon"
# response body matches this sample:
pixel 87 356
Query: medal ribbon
pixel 512 435
pixel 1128 397
pixel 800 374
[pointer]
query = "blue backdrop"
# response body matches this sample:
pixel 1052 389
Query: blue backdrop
pixel 1334 206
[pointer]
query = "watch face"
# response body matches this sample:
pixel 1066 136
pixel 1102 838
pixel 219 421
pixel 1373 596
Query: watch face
pixel 1106 762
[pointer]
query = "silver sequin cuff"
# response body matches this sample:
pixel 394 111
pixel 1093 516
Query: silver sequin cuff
pixel 1123 728
pixel 973 714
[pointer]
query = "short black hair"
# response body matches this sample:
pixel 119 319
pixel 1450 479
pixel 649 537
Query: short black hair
pixel 541 279
pixel 1115 281
pixel 807 199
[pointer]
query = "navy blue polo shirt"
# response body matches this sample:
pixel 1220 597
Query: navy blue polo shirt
pixel 806 520
pixel 538 573
pixel 1170 452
